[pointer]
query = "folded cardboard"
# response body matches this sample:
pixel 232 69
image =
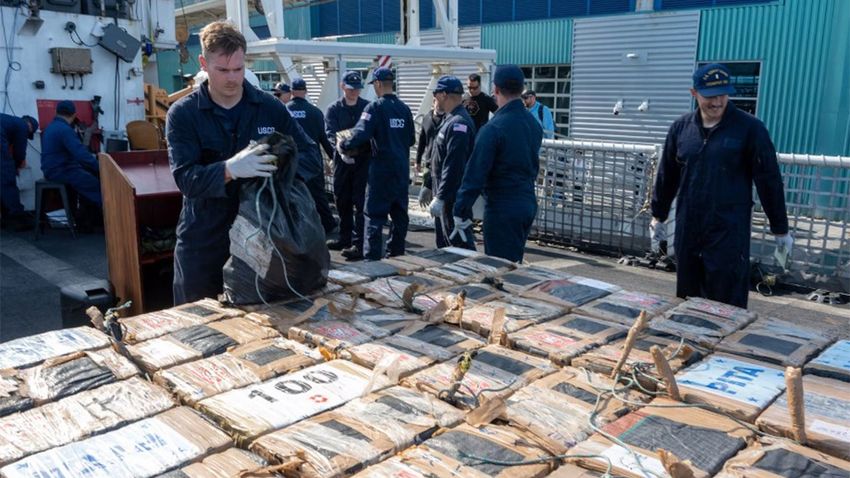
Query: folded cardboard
pixel 141 449
pixel 155 324
pixel 738 386
pixel 257 409
pixel 826 412
pixel 703 438
pixel 78 416
pixel 776 341
pixel 562 339
pixel 557 409
pixel 60 377
pixel 772 458
pixel 32 350
pixel 625 306
pixel 243 365
pixel 196 342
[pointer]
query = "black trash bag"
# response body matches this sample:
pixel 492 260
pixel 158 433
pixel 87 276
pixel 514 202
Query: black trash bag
pixel 277 242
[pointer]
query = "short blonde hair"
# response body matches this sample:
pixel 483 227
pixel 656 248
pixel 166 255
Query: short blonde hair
pixel 222 37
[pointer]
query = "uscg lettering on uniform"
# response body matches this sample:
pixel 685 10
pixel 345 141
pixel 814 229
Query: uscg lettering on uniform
pixel 265 130
pixel 298 114
pixel 396 123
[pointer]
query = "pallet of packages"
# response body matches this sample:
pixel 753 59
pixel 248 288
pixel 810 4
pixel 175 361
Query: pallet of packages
pixel 60 377
pixel 79 416
pixel 142 449
pixel 243 365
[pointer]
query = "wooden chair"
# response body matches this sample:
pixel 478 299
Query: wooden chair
pixel 143 135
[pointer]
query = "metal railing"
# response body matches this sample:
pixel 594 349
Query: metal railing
pixel 595 195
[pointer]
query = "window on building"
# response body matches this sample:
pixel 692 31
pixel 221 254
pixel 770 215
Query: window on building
pixel 745 79
pixel 552 84
pixel 267 79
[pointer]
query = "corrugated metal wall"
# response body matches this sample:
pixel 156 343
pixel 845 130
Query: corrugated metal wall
pixel 614 58
pixel 530 43
pixel 804 47
pixel 413 79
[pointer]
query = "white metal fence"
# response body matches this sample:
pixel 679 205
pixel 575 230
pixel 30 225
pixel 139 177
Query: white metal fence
pixel 595 195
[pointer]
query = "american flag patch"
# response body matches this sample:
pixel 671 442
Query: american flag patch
pixel 459 127
pixel 365 116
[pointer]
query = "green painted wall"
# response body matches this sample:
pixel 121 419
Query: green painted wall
pixel 804 47
pixel 529 43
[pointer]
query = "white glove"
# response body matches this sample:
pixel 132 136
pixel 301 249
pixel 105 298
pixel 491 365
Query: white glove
pixel 784 245
pixel 251 163
pixel 657 233
pixel 461 224
pixel 346 159
pixel 425 197
pixel 436 207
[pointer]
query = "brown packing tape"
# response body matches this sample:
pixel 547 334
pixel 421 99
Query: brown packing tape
pixel 498 335
pixel 639 325
pixel 486 412
pixel 227 464
pixel 796 405
pixel 675 467
pixel 197 429
pixel 663 368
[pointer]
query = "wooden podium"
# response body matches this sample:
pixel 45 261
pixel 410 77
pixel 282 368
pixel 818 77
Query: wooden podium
pixel 138 191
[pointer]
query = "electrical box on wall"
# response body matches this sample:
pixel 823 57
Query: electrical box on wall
pixel 70 61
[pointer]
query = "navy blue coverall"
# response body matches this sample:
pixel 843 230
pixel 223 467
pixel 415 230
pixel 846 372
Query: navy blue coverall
pixel 349 179
pixel 312 121
pixel 201 138
pixel 711 173
pixel 503 167
pixel 427 132
pixel 65 159
pixel 449 154
pixel 13 152
pixel 389 122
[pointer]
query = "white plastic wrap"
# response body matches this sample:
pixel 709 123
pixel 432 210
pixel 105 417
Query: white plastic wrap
pixel 35 349
pixel 155 324
pixel 519 313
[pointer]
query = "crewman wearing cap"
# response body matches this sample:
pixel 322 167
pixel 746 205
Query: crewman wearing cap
pixel 503 168
pixel 449 154
pixel 350 172
pixel 388 124
pixel 712 157
pixel 312 121
pixel 65 159
pixel 14 133
pixel 283 92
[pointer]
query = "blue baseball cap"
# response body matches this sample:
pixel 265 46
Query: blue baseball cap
pixel 352 81
pixel 66 107
pixel 299 84
pixel 382 74
pixel 510 77
pixel 282 88
pixel 713 80
pixel 449 84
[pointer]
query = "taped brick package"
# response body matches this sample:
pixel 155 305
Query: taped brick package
pixel 827 416
pixel 556 409
pixel 573 291
pixel 361 433
pixel 493 443
pixel 624 306
pixel 519 313
pixel 494 371
pixel 473 294
pixel 197 342
pixel 703 321
pixel 32 350
pixel 472 269
pixel 740 387
pixel 60 377
pixel 562 339
pixel 283 316
pixel 572 471
pixel 79 416
pixel 420 463
pixel 142 449
pixel 705 439
pixel 417 348
pixel 156 324
pixel 257 409
pixel 230 463
pixel 445 255
pixel 525 278
pixel 327 326
pixel 776 341
pixel 771 458
pixel 390 291
pixel 244 365
pixel 678 352
pixel 360 272
pixel 389 319
pixel 834 362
